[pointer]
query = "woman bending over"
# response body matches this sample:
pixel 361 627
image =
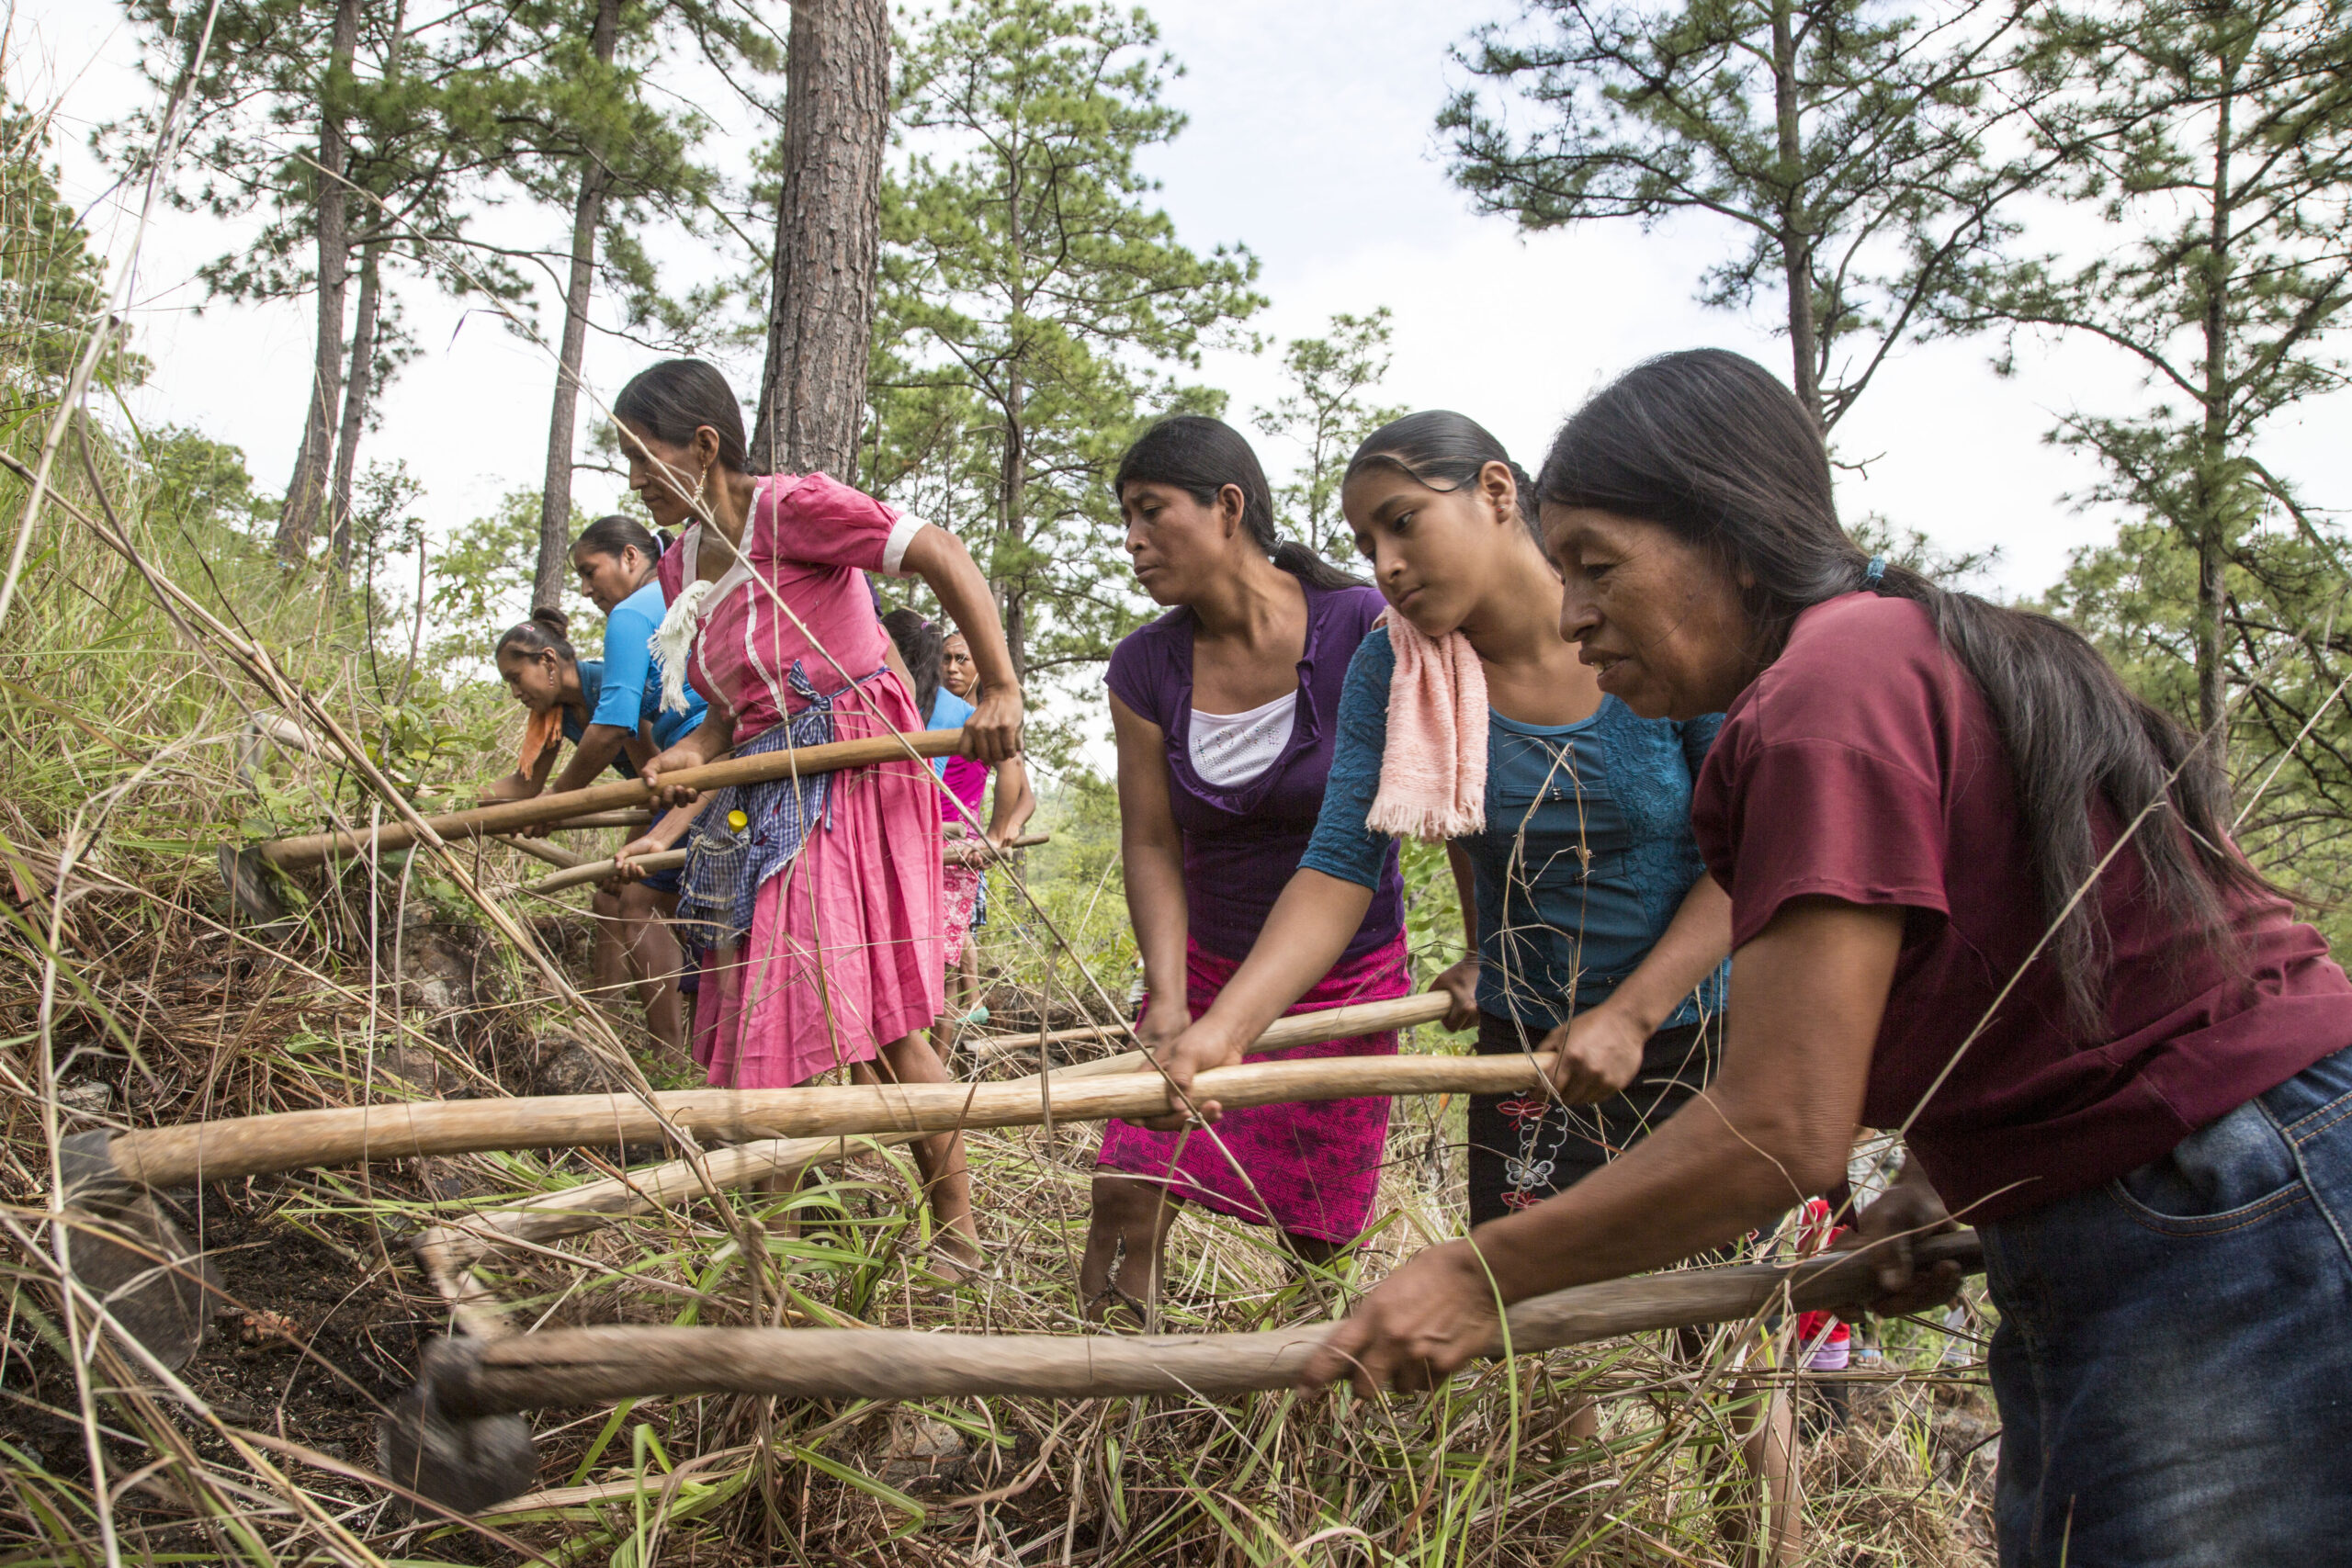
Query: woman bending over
pixel 821 914
pixel 610 710
pixel 1226 709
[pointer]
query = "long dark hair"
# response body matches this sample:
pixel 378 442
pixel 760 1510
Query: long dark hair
pixel 1707 445
pixel 613 534
pixel 1445 451
pixel 544 632
pixel 672 399
pixel 918 643
pixel 1201 455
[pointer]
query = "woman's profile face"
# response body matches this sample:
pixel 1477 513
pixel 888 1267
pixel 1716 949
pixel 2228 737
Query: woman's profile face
pixel 663 473
pixel 534 677
pixel 608 579
pixel 956 671
pixel 1176 545
pixel 1659 619
pixel 1432 551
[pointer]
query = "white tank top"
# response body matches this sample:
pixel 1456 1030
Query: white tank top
pixel 1230 749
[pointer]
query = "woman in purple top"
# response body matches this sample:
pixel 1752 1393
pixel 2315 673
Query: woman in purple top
pixel 1224 712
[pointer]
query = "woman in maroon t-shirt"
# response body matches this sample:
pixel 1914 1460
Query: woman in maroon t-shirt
pixel 1984 895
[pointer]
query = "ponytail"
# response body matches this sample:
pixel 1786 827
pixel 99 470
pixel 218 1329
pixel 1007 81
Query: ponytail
pixel 544 632
pixel 920 642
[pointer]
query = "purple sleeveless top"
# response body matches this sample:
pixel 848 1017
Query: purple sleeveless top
pixel 1242 844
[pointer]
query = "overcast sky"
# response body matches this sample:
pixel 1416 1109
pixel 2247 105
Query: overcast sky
pixel 1311 142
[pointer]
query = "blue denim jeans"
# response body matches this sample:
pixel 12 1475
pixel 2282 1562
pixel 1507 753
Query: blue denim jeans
pixel 2173 1360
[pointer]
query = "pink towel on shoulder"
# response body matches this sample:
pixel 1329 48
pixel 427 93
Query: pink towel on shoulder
pixel 1433 776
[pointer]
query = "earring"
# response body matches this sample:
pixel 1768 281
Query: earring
pixel 693 502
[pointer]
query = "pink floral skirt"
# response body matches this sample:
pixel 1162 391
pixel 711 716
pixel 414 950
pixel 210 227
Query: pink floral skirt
pixel 1313 1169
pixel 961 891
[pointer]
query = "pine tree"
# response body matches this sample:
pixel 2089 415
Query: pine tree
pixel 1324 413
pixel 1029 289
pixel 1846 139
pixel 594 134
pixel 2214 145
pixel 396 166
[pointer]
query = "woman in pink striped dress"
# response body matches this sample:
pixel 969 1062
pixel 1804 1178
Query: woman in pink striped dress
pixel 818 912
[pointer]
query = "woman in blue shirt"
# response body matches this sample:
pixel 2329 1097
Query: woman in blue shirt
pixel 610 709
pixel 1594 930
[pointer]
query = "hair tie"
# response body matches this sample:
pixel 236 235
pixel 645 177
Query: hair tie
pixel 1873 572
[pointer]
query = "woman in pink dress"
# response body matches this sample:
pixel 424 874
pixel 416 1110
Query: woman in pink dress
pixel 817 901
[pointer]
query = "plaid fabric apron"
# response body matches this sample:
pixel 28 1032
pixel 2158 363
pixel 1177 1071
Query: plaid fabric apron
pixel 726 865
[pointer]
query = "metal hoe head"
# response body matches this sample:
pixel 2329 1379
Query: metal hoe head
pixel 126 1251
pixel 246 875
pixel 430 1445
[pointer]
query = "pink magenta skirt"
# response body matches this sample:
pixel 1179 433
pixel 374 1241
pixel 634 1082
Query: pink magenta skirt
pixel 1313 1169
pixel 844 954
pixel 961 894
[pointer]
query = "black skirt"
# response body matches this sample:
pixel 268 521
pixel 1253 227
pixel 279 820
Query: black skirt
pixel 1525 1147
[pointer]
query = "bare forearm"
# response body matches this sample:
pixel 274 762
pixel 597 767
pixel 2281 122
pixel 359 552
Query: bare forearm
pixel 599 744
pixel 1695 941
pixel 940 558
pixel 1465 894
pixel 1311 925
pixel 712 738
pixel 1014 803
pixel 676 822
pixel 1807 995
pixel 1155 878
pixel 1690 1185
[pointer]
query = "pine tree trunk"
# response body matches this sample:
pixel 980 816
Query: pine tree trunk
pixel 827 235
pixel 563 418
pixel 298 519
pixel 359 389
pixel 1796 240
pixel 1013 527
pixel 2213 489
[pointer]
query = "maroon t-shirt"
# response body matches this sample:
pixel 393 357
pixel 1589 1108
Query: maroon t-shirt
pixel 1864 765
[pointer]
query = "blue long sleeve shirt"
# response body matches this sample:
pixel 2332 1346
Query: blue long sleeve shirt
pixel 1587 853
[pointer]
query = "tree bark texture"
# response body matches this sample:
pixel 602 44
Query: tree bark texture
pixel 305 495
pixel 827 235
pixel 358 390
pixel 563 419
pixel 2213 488
pixel 1796 242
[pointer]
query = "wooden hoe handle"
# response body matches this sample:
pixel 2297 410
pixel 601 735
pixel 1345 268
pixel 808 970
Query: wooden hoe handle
pixel 256 1146
pixel 598 1366
pixel 313 849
